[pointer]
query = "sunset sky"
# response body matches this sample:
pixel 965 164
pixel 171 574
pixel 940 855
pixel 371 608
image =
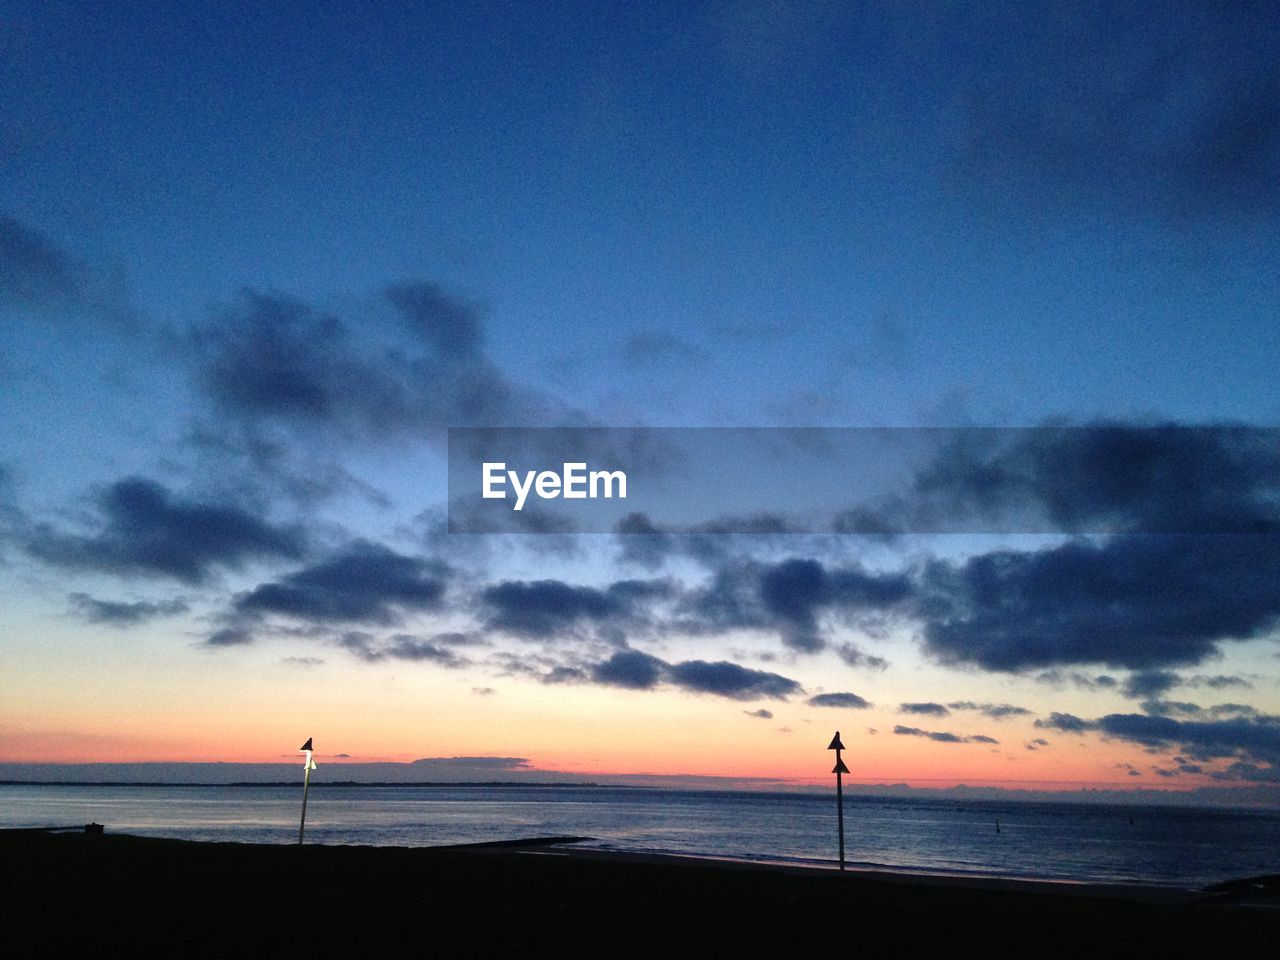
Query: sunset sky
pixel 256 262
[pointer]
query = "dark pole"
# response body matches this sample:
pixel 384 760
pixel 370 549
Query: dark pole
pixel 840 814
pixel 839 771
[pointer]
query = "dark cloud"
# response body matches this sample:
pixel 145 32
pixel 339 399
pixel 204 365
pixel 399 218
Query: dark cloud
pixel 1057 678
pixel 852 655
pixel 124 614
pixel 1135 597
pixel 794 592
pixel 541 609
pixel 937 735
pixel 1036 744
pixel 40 278
pixel 363 582
pixel 1065 722
pixel 1105 477
pixel 791 597
pixel 145 529
pixel 563 674
pixel 844 701
pixel 761 714
pixel 9 512
pixel 1234 159
pixel 1172 117
pixel 731 680
pixel 401 647
pixel 925 709
pixel 1249 739
pixel 271 463
pixel 944 736
pixel 450 327
pixel 639 671
pixel 275 357
pixel 1218 682
pixel 483 691
pixel 1219 710
pixel 233 636
pixel 455 638
pixel 641 543
pixel 1165 708
pixel 996 711
pixel 729 600
pixel 35 271
pixel 1142 602
pixel 288 386
pixel 631 669
pixel 1150 684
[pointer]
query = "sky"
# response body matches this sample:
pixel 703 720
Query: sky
pixel 257 262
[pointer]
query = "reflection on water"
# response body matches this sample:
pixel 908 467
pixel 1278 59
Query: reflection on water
pixel 1067 841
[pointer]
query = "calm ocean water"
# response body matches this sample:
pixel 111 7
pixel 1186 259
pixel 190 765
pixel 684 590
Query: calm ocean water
pixel 1060 841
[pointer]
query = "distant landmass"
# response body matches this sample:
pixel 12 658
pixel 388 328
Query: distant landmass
pixel 517 772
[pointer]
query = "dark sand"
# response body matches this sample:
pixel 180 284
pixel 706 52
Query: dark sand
pixel 70 894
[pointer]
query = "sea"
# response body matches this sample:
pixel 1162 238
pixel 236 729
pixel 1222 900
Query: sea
pixel 1061 841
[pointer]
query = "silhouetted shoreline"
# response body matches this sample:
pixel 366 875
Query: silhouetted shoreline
pixel 293 784
pixel 73 893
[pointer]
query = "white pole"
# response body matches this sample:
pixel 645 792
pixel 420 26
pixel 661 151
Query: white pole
pixel 307 767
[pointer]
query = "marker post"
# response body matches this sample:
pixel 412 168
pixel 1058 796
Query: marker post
pixel 839 771
pixel 307 766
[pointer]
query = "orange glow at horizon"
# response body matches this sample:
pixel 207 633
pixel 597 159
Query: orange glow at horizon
pixel 255 709
pixel 875 760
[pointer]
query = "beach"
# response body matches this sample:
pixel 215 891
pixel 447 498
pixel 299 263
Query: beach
pixel 72 893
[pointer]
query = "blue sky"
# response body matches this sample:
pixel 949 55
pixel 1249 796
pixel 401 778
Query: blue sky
pixel 261 257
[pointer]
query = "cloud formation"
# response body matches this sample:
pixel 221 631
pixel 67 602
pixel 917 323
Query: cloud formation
pixel 1247 739
pixel 942 736
pixel 843 701
pixel 1173 122
pixel 543 609
pixel 272 360
pixel 143 528
pixel 119 613
pixel 1142 602
pixel 640 671
pixel 363 582
pixel 1104 477
pixel 35 271
pixel 402 647
pixel 792 597
pixel 924 709
pixel 996 711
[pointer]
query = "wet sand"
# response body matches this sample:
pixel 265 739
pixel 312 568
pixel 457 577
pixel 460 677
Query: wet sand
pixel 71 894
